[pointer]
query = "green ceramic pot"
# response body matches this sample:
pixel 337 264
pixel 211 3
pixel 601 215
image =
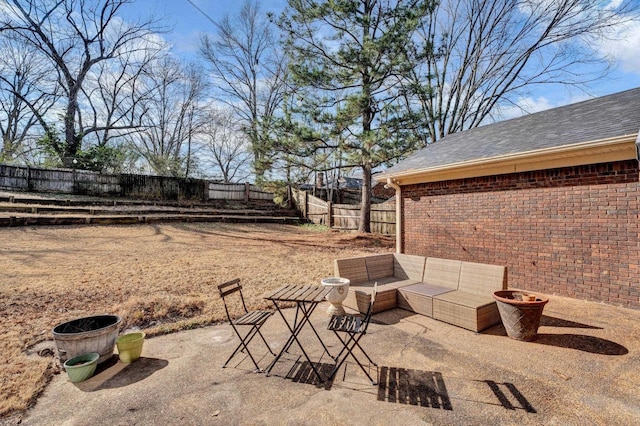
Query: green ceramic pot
pixel 130 346
pixel 81 367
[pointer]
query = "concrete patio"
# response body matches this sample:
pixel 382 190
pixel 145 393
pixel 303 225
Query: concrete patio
pixel 584 369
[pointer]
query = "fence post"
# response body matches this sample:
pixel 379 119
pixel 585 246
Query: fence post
pixel 247 186
pixel 29 183
pixel 305 204
pixel 74 179
pixel 329 214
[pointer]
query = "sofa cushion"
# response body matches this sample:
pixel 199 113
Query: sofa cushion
pixel 379 266
pixel 425 289
pixel 359 297
pixel 471 311
pixel 401 283
pixel 442 272
pixel 354 269
pixel 482 279
pixel 465 298
pixel 418 298
pixel 408 267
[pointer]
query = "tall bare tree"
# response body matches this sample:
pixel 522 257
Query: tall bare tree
pixel 114 95
pixel 490 53
pixel 225 147
pixel 26 95
pixel 170 115
pixel 249 69
pixel 75 36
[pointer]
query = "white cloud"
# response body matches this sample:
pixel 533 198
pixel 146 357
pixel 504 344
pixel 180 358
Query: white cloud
pixel 624 48
pixel 525 105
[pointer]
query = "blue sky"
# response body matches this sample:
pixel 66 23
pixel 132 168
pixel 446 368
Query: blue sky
pixel 188 24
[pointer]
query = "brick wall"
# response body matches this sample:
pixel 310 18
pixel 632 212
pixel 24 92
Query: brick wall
pixel 572 231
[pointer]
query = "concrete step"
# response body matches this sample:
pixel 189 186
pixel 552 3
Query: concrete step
pixel 17 208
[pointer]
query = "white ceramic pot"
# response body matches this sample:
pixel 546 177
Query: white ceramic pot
pixel 339 290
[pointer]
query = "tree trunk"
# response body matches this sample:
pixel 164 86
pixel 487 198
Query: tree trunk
pixel 71 146
pixel 365 207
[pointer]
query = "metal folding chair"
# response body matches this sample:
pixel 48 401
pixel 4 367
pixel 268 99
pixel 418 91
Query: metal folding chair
pixel 353 327
pixel 253 319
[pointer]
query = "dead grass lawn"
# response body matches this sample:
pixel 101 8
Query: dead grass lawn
pixel 160 278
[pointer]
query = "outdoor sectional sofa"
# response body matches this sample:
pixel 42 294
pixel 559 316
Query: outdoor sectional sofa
pixel 453 291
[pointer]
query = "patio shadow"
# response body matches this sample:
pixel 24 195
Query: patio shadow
pixel 113 374
pixel 413 387
pixel 497 389
pixel 580 342
pixel 559 322
pixel 302 372
pixel 391 316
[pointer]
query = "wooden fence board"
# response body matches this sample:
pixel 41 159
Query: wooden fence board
pixel 317 210
pixel 24 178
pixel 232 191
pixel 346 216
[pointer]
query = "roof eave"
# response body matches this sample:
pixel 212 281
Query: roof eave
pixel 593 152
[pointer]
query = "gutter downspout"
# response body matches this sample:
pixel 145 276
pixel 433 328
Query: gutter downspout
pixel 391 184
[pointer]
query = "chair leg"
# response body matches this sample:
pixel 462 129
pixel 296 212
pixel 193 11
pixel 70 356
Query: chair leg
pixel 350 352
pixel 265 342
pixel 365 354
pixel 364 370
pixel 244 342
pixel 242 346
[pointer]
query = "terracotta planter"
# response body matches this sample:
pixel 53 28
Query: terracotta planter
pixel 520 312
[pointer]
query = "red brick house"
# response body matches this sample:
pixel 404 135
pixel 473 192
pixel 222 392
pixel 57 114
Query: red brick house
pixel 554 196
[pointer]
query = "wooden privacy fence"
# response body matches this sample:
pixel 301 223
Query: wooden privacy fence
pixel 345 216
pixel 241 191
pixel 56 180
pixel 35 179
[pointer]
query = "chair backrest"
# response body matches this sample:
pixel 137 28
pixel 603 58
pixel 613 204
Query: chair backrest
pixel 229 288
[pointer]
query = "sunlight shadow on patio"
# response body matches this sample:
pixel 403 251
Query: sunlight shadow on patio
pixel 413 387
pixel 114 374
pixel 497 389
pixel 302 372
pixel 559 322
pixel 292 367
pixel 591 344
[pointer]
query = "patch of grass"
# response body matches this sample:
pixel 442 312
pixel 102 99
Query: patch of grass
pixel 159 278
pixel 313 227
pixel 144 312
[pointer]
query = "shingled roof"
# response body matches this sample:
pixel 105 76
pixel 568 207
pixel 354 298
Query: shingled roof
pixel 597 119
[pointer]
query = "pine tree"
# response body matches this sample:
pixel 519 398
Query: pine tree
pixel 347 58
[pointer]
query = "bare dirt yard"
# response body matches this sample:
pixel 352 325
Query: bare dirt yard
pixel 159 278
